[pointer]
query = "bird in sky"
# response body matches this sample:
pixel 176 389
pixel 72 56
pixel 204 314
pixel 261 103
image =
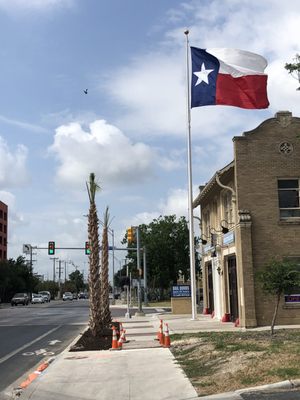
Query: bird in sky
pixel 86 91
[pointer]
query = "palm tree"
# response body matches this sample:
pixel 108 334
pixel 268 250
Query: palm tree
pixel 106 316
pixel 95 321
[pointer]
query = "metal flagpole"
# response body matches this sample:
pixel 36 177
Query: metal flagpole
pixel 190 187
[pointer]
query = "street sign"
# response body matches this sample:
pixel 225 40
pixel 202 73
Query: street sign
pixel 26 248
pixel 181 291
pixel 134 282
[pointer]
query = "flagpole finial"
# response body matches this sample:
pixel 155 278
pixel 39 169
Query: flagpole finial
pixel 186 32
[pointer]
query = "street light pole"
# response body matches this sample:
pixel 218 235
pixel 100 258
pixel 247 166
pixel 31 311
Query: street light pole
pixel 113 264
pixel 127 315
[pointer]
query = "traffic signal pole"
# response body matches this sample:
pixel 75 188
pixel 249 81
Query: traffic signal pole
pixel 140 312
pixel 145 278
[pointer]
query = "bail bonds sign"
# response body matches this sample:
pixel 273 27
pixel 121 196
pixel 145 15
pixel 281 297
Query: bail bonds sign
pixel 181 291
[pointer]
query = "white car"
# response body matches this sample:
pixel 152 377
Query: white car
pixel 46 295
pixel 67 296
pixel 37 299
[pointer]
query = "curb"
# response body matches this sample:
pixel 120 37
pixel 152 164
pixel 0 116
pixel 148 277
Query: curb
pixel 31 377
pixel 289 384
pixel 42 367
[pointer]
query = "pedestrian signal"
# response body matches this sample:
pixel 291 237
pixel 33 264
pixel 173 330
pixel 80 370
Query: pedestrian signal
pixel 51 248
pixel 87 248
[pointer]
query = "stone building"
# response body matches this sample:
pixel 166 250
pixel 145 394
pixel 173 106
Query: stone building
pixel 250 213
pixel 3 231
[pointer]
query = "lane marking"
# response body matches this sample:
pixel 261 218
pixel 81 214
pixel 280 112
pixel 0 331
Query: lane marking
pixel 53 342
pixel 13 353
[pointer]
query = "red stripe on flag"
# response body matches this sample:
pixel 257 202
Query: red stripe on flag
pixel 248 91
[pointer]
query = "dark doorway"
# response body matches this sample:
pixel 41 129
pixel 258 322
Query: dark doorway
pixel 233 293
pixel 210 288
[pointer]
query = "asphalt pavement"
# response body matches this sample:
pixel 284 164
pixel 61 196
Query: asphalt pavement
pixel 31 333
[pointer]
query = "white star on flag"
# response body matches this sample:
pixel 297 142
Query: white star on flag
pixel 202 75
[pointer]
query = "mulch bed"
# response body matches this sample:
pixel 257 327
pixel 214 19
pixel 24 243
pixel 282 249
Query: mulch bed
pixel 88 342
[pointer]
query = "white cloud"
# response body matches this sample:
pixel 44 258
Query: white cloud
pixel 143 218
pixel 104 150
pixel 39 5
pixel 176 203
pixel 24 125
pixel 13 170
pixel 152 88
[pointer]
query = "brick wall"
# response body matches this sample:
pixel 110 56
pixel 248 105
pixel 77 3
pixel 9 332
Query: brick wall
pixel 258 165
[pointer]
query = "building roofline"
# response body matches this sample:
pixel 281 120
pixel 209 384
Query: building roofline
pixel 211 183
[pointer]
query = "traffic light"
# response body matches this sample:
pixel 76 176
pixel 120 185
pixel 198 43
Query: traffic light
pixel 51 248
pixel 87 248
pixel 130 235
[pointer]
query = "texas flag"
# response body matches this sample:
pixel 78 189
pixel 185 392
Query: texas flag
pixel 228 77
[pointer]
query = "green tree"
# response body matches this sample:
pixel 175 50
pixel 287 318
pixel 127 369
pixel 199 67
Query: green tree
pixel 294 68
pixel 68 286
pixel 76 278
pixel 106 316
pixel 16 276
pixel 167 243
pixel 278 278
pixel 95 322
pixel 49 286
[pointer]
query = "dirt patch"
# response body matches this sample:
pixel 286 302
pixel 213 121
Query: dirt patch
pixel 103 341
pixel 217 362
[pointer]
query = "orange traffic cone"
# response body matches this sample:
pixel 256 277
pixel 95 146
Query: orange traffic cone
pixel 162 336
pixel 159 333
pixel 120 343
pixel 114 344
pixel 123 335
pixel 167 341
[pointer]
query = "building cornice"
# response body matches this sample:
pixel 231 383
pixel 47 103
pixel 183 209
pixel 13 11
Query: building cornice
pixel 211 184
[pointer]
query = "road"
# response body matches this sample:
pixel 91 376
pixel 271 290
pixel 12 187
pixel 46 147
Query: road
pixel 29 334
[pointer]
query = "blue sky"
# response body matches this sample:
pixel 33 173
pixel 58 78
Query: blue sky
pixel 131 127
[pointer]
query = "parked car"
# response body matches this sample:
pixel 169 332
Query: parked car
pixel 37 299
pixel 46 295
pixel 20 298
pixel 67 296
pixel 83 295
pixel 75 296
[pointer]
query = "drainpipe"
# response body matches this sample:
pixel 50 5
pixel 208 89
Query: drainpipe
pixel 226 316
pixel 232 192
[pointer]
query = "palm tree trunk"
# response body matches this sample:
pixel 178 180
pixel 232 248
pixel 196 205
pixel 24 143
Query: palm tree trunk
pixel 106 316
pixel 95 321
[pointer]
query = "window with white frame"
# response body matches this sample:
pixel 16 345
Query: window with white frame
pixel 289 198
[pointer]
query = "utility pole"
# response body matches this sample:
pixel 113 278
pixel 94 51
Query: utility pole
pixel 54 260
pixel 59 276
pixel 65 270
